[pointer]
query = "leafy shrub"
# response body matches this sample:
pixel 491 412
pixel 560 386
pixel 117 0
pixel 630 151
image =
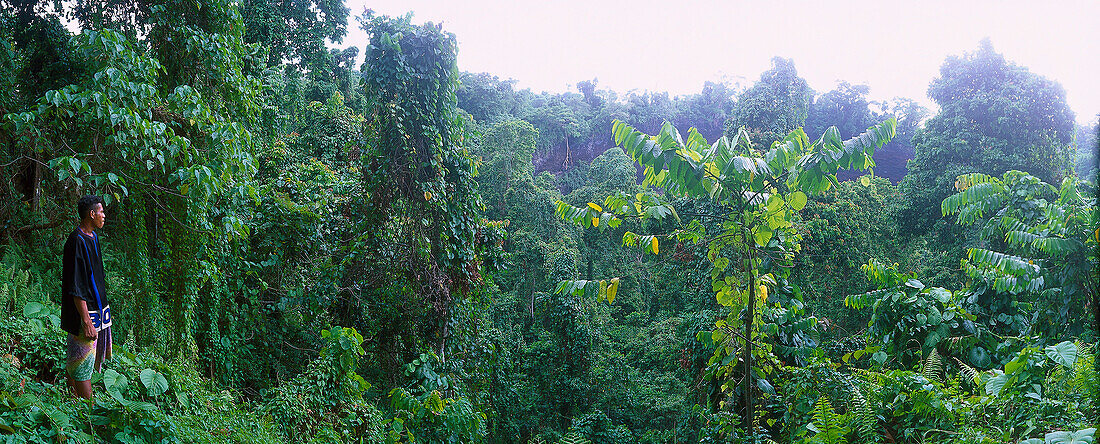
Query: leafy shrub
pixel 30 333
pixel 913 405
pixel 36 412
pixel 432 418
pixel 34 342
pixel 909 319
pixel 327 399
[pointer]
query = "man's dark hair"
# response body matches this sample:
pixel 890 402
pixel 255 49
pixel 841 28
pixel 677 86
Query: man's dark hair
pixel 87 203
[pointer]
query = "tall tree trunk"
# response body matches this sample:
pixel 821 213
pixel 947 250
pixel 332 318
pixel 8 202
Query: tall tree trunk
pixel 750 311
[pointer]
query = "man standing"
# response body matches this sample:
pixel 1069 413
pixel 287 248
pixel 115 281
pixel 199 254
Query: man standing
pixel 85 314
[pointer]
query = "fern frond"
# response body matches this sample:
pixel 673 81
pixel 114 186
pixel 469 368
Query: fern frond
pixel 858 301
pixel 1020 238
pixel 859 149
pixel 1002 262
pixel 1086 379
pixel 933 366
pixel 829 153
pixel 574 438
pixel 860 415
pixel 965 181
pixel 978 194
pixel 827 424
pixel 970 373
pixel 1056 246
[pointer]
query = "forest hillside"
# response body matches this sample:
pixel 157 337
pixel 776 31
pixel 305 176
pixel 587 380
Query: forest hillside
pixel 305 244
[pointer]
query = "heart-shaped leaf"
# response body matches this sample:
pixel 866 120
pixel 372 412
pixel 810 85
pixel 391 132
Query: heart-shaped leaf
pixel 155 383
pixel 1064 353
pixel 113 381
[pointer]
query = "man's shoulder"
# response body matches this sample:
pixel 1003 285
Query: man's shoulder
pixel 73 239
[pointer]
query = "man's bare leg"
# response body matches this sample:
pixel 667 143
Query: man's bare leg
pixel 82 389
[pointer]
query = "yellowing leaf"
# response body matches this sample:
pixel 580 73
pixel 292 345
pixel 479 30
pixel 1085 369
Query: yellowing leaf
pixel 434 403
pixel 595 221
pixel 594 206
pixel 865 180
pixel 653 243
pixel 763 291
pixel 797 200
pixel 612 290
pixel 427 195
pixel 762 236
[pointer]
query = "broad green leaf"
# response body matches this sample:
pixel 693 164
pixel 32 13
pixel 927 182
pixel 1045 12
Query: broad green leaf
pixel 155 383
pixel 763 235
pixel 35 310
pixel 774 203
pixel 434 403
pixel 1084 436
pixel 1013 366
pixel 113 380
pixel 612 290
pixel 940 294
pixel 1064 353
pixel 996 384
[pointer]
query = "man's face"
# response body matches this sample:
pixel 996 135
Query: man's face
pixel 97 216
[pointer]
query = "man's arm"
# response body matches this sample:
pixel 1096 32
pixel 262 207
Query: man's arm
pixel 86 320
pixel 73 286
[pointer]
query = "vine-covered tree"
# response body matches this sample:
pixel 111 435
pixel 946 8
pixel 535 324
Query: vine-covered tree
pixel 994 116
pixel 295 31
pixel 774 106
pixel 421 208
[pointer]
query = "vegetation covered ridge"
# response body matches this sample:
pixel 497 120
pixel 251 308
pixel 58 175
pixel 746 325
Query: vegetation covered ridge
pixel 300 249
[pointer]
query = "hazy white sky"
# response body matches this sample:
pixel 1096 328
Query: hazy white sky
pixel 894 47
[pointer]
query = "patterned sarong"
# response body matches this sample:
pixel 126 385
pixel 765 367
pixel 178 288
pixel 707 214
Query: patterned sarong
pixel 83 355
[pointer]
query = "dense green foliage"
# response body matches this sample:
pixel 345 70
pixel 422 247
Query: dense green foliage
pixel 994 116
pixel 303 248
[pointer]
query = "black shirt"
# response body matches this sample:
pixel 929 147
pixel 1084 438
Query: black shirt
pixel 76 287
